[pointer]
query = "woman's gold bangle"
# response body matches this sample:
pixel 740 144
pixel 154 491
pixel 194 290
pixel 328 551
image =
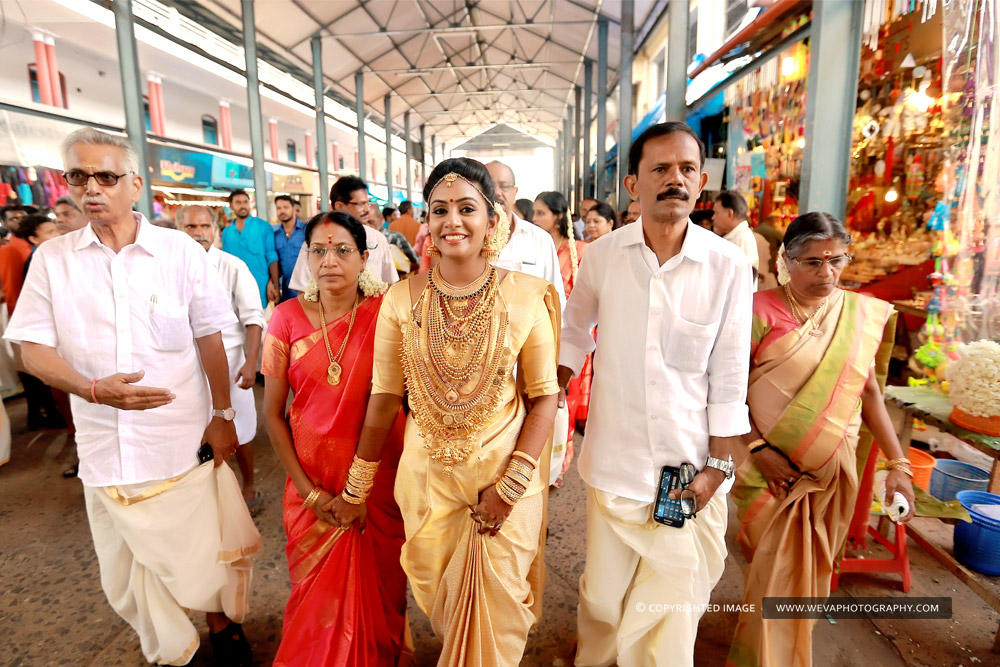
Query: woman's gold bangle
pixel 515 464
pixel 350 498
pixel 527 457
pixel 312 497
pixel 757 445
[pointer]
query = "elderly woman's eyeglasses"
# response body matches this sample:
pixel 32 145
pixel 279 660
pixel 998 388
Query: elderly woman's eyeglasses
pixel 342 250
pixel 105 178
pixel 814 264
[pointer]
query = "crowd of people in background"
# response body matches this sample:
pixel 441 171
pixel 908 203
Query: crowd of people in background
pixel 506 326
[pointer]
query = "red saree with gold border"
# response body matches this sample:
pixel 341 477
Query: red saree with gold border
pixel 348 601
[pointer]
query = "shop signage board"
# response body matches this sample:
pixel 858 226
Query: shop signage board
pixel 174 166
pixel 298 183
pixel 231 175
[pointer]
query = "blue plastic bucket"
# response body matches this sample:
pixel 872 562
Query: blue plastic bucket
pixel 950 477
pixel 977 544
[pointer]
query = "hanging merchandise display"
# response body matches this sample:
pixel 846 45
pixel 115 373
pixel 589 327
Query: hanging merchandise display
pixel 964 310
pixel 768 107
pixel 31 186
pixel 898 165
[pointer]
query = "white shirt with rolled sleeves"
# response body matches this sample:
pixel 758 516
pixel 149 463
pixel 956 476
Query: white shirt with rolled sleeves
pixel 743 237
pixel 531 250
pixel 379 259
pixel 244 297
pixel 672 360
pixel 139 309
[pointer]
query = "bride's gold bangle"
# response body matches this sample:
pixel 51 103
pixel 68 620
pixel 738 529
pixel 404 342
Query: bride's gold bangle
pixel 757 445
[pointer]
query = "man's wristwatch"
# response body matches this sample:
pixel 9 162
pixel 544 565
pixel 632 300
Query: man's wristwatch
pixel 229 414
pixel 727 467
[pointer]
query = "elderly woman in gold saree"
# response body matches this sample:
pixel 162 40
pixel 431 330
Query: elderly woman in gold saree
pixel 477 440
pixel 819 357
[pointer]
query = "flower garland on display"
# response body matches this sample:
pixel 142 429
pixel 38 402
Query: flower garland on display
pixel 574 263
pixel 974 381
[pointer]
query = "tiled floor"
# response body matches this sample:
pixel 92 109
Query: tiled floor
pixel 52 610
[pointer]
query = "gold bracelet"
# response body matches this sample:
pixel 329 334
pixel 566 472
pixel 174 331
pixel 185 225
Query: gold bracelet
pixel 757 445
pixel 903 469
pixel 518 476
pixel 512 488
pixel 353 500
pixel 900 461
pixel 516 464
pixel 503 493
pixel 526 457
pixel 312 497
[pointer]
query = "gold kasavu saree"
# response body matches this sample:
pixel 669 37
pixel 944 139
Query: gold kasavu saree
pixel 482 594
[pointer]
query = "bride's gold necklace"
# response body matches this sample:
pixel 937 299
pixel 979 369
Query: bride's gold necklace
pixel 799 312
pixel 456 333
pixel 334 370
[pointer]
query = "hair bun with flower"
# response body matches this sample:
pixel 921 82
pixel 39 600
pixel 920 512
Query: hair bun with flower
pixel 370 284
pixel 782 268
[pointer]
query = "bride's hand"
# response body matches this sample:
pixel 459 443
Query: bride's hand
pixel 345 514
pixel 491 511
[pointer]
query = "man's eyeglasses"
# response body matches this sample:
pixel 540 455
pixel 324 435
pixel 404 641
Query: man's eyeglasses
pixel 504 186
pixel 342 250
pixel 105 178
pixel 689 501
pixel 837 263
pixel 360 203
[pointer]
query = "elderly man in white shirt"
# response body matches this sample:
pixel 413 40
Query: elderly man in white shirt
pixel 105 308
pixel 350 195
pixel 241 339
pixel 729 220
pixel 531 250
pixel 673 305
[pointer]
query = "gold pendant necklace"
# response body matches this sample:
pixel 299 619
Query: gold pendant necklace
pixel 799 312
pixel 334 370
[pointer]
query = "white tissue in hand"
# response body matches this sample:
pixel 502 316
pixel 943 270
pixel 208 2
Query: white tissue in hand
pixel 898 508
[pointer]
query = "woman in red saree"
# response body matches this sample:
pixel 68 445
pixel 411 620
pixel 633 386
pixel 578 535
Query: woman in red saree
pixel 348 601
pixel 552 215
pixel 818 362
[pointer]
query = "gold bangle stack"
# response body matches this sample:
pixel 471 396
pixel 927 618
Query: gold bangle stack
pixel 902 464
pixel 757 445
pixel 526 457
pixel 516 478
pixel 312 497
pixel 360 480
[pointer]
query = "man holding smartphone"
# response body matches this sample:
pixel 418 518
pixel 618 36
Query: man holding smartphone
pixel 672 302
pixel 126 317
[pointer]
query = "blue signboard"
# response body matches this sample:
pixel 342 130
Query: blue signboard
pixel 227 174
pixel 175 166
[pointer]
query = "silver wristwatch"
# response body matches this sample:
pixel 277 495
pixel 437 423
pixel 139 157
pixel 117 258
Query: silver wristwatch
pixel 726 466
pixel 229 414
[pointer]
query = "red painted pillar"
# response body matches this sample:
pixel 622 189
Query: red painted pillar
pixel 225 126
pixel 336 158
pixel 357 161
pixel 273 125
pixel 374 169
pixel 310 159
pixel 161 110
pixel 154 125
pixel 42 70
pixel 50 54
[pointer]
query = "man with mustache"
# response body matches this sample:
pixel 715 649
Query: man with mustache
pixel 677 397
pixel 241 340
pixel 127 317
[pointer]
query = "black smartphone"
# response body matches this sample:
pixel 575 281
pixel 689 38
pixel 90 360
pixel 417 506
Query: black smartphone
pixel 666 510
pixel 205 453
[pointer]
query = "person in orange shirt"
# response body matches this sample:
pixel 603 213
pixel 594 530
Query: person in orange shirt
pixel 406 224
pixel 13 254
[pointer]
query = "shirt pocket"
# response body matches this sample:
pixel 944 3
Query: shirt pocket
pixel 689 345
pixel 170 328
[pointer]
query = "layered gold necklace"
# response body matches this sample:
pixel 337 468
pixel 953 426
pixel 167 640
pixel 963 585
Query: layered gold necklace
pixel 799 312
pixel 456 333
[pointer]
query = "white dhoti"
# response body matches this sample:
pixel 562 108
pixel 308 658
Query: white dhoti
pixel 165 547
pixel 560 432
pixel 645 586
pixel 242 399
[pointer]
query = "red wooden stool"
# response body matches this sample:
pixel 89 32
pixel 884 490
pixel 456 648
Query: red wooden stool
pixel 861 529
